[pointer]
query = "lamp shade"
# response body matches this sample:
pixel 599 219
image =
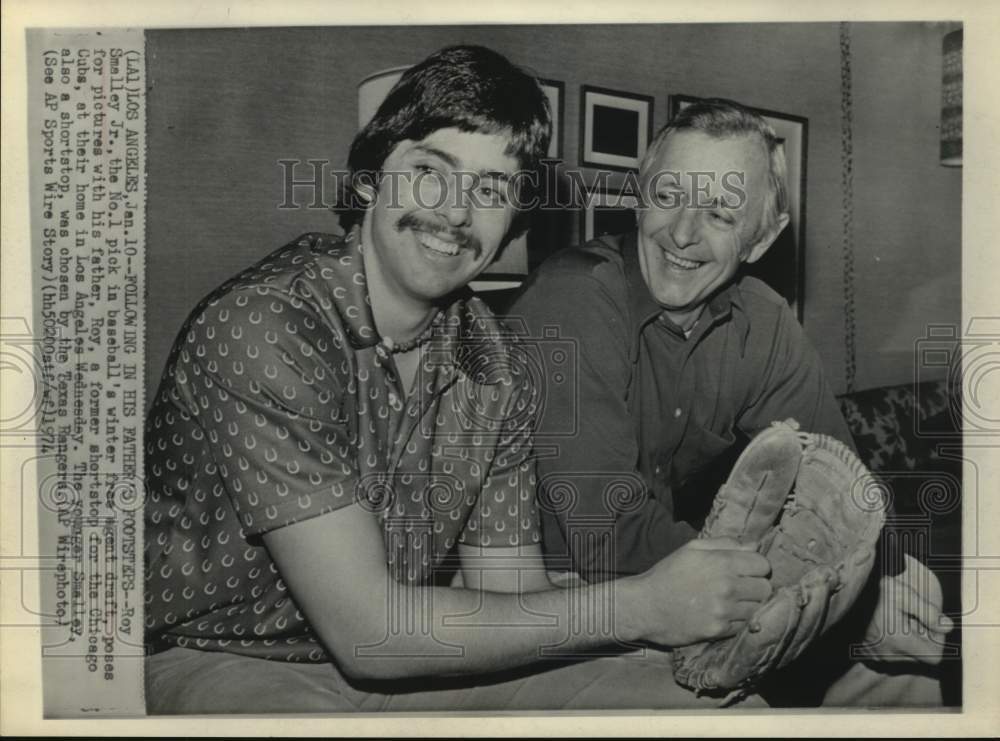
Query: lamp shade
pixel 509 269
pixel 372 91
pixel 951 100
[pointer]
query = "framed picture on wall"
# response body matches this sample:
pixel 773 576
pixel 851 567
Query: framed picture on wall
pixel 555 91
pixel 615 128
pixel 783 267
pixel 606 211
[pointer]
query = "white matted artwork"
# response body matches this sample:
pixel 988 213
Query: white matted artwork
pixel 615 128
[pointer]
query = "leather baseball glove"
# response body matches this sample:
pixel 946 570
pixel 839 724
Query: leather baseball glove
pixel 816 512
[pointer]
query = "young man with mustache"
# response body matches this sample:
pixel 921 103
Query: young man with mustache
pixel 342 418
pixel 681 360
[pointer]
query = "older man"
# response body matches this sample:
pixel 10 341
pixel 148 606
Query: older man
pixel 332 426
pixel 680 361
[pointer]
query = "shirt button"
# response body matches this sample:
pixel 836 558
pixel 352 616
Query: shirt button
pixel 678 412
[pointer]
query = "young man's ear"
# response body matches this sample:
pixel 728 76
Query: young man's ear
pixel 761 246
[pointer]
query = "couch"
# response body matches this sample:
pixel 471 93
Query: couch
pixel 909 436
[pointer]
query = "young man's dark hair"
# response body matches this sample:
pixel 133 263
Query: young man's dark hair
pixel 469 88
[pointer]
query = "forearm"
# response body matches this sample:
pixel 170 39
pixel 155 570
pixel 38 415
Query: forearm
pixel 441 630
pixel 376 627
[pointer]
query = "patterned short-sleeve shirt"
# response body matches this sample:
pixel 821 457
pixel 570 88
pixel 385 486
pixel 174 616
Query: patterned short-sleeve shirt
pixel 279 403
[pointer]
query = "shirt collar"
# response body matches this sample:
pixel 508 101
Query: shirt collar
pixel 724 305
pixel 343 277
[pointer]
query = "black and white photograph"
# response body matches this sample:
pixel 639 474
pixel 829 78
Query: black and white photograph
pixel 498 372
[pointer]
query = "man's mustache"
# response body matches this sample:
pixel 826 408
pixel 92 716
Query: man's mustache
pixel 463 239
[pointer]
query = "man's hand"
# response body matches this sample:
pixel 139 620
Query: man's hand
pixel 908 625
pixel 705 590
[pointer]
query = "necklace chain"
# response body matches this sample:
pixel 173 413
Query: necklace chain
pixel 421 339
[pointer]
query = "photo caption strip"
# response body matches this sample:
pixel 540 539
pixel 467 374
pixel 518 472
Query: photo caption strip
pixel 87 140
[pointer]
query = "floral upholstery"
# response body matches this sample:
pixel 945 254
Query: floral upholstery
pixel 897 428
pixel 908 435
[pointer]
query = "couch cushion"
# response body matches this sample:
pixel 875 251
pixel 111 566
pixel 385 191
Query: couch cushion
pixel 898 428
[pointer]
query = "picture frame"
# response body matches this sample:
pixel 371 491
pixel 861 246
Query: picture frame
pixel 555 91
pixel 615 128
pixel 783 266
pixel 606 211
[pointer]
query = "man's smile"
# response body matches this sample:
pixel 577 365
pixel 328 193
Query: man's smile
pixel 680 263
pixel 438 245
pixel 443 242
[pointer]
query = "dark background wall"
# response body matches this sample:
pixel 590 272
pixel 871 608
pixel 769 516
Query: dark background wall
pixel 226 105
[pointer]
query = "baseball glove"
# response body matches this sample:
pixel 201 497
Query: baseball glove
pixel 816 512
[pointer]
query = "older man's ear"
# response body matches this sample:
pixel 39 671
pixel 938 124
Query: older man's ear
pixel 762 245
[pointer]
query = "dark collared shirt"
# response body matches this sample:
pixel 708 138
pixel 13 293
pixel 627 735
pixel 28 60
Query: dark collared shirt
pixel 280 403
pixel 643 424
